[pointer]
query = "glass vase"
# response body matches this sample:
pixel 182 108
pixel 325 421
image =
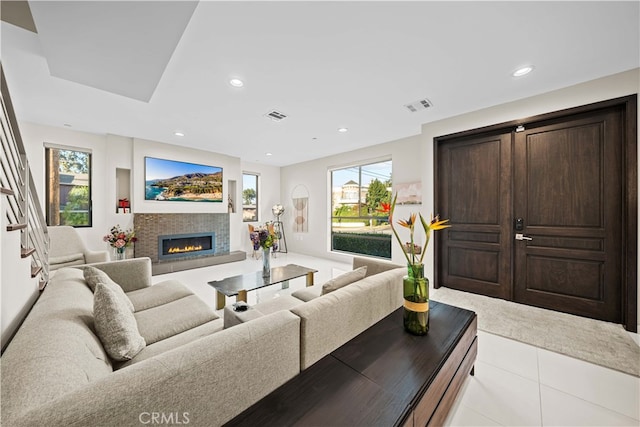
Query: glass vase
pixel 119 253
pixel 266 262
pixel 416 300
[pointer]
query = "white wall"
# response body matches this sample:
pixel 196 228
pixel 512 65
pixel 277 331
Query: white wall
pixel 268 195
pixel 18 291
pixel 231 170
pixel 406 156
pixel 112 151
pixel 35 136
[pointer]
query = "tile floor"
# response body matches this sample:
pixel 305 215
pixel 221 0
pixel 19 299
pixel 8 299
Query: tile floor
pixel 515 384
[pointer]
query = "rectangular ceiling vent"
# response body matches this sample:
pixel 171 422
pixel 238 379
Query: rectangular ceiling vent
pixel 422 104
pixel 276 116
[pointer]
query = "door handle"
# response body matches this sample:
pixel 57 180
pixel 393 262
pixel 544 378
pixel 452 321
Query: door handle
pixel 520 236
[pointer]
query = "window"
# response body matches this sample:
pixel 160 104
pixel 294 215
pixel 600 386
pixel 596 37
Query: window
pixel 360 198
pixel 68 182
pixel 249 197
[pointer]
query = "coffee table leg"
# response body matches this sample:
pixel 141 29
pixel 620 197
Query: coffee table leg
pixel 220 300
pixel 309 279
pixel 242 296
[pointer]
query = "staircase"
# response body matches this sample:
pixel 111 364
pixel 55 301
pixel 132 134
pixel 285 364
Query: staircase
pixel 23 215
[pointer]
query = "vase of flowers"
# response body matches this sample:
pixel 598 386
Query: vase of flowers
pixel 265 237
pixel 415 285
pixel 119 240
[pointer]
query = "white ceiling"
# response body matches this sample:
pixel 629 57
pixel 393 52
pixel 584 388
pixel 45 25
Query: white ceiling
pixel 122 68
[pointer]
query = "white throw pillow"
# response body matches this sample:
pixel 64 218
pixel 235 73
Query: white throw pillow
pixel 94 276
pixel 344 279
pixel 115 324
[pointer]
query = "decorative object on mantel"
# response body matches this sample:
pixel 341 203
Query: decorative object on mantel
pixel 415 284
pixel 265 237
pixel 278 211
pixel 119 240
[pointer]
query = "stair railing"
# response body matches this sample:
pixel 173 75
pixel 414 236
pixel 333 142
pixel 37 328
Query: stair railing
pixel 24 210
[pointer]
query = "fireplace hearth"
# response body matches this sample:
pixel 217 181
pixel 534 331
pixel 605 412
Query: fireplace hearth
pixel 176 246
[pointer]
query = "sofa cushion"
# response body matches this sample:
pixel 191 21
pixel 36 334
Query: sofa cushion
pixel 282 302
pixel 93 276
pixel 344 280
pixel 173 342
pixel 233 318
pixel 159 294
pixel 115 324
pixel 172 318
pixel 307 294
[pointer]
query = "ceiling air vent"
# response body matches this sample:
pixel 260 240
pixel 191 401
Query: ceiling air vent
pixel 422 104
pixel 276 116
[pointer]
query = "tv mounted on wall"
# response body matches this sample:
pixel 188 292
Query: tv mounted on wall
pixel 173 181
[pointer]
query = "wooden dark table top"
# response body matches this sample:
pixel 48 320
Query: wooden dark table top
pixel 248 282
pixel 374 379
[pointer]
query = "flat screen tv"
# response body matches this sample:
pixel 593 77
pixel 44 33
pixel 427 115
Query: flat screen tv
pixel 173 181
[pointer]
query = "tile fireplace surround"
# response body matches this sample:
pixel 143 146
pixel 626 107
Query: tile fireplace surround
pixel 149 226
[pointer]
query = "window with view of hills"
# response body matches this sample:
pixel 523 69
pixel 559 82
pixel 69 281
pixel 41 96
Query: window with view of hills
pixel 68 187
pixel 360 201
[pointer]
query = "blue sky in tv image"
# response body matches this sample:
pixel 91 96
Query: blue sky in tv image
pixel 158 170
pixel 163 169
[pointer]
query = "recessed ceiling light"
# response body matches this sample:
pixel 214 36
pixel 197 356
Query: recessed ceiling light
pixel 178 133
pixel 268 154
pixel 523 71
pixel 236 82
pixel 342 130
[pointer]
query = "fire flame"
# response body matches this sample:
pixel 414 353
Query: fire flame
pixel 185 249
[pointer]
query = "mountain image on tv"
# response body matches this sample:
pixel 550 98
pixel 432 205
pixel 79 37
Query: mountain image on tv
pixel 174 181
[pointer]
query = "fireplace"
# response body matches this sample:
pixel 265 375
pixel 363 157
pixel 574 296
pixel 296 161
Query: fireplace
pixel 186 245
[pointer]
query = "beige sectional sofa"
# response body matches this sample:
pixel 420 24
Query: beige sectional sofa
pixel 55 372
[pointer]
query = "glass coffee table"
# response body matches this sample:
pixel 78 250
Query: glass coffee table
pixel 238 286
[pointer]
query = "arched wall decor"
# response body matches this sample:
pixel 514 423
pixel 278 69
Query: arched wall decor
pixel 300 202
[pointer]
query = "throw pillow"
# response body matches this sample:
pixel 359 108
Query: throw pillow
pixel 344 280
pixel 94 276
pixel 115 324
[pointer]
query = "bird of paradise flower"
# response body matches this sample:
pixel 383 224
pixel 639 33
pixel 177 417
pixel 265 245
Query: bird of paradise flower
pixel 410 251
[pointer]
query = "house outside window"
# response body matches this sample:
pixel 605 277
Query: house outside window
pixel 249 197
pixel 360 198
pixel 68 187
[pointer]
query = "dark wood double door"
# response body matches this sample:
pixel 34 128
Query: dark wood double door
pixel 537 213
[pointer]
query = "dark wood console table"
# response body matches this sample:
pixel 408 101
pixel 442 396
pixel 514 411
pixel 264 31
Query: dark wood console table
pixel 382 377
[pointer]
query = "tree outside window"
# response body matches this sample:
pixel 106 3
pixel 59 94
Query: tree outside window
pixel 249 197
pixel 360 199
pixel 68 190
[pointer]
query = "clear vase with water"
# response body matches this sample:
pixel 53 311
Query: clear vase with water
pixel 120 253
pixel 266 262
